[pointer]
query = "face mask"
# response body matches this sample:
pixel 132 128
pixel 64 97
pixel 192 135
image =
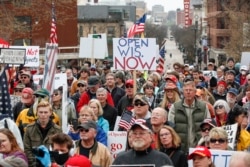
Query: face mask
pixel 60 158
pixel 243 72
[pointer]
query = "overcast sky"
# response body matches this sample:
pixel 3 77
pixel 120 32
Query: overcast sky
pixel 168 4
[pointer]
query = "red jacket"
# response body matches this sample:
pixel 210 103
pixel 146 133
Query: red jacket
pixel 85 98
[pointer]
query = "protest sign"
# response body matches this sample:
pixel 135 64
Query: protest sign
pixel 245 59
pixel 220 158
pixel 117 142
pixel 14 99
pixel 134 53
pixel 12 56
pixel 208 74
pixel 32 55
pixel 231 132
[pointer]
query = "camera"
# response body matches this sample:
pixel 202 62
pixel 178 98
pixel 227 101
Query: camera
pixel 38 152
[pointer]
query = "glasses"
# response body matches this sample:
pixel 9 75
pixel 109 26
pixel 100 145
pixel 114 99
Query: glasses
pixel 18 90
pixel 149 87
pixel 164 134
pixel 139 103
pixel 84 115
pixel 55 94
pixel 218 107
pixel 129 86
pixel 84 130
pixel 24 77
pixel 139 133
pixel 81 85
pixel 217 140
pixel 205 129
pixel 176 68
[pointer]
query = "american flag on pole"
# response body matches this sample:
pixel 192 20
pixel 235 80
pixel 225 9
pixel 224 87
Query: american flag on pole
pixel 137 28
pixel 5 102
pixel 53 35
pixel 127 120
pixel 161 59
pixel 50 66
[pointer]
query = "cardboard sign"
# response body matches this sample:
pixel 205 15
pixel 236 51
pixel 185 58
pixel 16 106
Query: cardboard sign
pixel 12 56
pixel 117 142
pixel 134 53
pixel 220 158
pixel 32 55
pixel 231 132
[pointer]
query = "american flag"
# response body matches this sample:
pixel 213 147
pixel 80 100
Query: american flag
pixel 127 120
pixel 137 28
pixel 162 56
pixel 5 102
pixel 50 66
pixel 53 35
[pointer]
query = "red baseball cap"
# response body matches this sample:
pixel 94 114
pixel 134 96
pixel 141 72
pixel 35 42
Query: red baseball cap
pixel 172 78
pixel 201 151
pixel 222 82
pixel 129 82
pixel 27 95
pixel 78 161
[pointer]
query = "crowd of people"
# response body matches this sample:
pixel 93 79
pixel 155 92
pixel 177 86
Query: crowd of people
pixel 165 113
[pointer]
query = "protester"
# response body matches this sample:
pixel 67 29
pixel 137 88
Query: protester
pixel 230 79
pixel 120 79
pixel 221 109
pixel 26 79
pixel 187 115
pixel 141 151
pixel 38 133
pixel 206 126
pixel 81 88
pixel 231 97
pixel 200 93
pixel 141 107
pixel 9 146
pixel 221 90
pixel 97 153
pixel 18 89
pixel 70 80
pixel 201 156
pixel 13 161
pixel 148 89
pixel 95 105
pixel 240 159
pixel 218 139
pixel 170 143
pixel 109 112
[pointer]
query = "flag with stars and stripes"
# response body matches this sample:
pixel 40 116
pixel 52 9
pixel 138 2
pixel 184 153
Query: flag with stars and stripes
pixel 50 66
pixel 127 120
pixel 5 102
pixel 137 28
pixel 53 34
pixel 161 59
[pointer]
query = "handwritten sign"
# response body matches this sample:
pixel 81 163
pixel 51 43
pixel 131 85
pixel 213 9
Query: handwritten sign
pixel 12 56
pixel 31 56
pixel 134 53
pixel 209 74
pixel 220 158
pixel 117 141
pixel 231 132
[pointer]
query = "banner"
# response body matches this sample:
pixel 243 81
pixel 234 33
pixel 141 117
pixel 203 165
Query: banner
pixel 32 55
pixel 134 53
pixel 186 12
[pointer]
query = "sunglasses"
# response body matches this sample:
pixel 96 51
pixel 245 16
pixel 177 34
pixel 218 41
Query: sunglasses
pixel 24 77
pixel 84 130
pixel 205 129
pixel 139 103
pixel 217 140
pixel 18 90
pixel 129 86
pixel 218 107
pixel 149 87
pixel 81 85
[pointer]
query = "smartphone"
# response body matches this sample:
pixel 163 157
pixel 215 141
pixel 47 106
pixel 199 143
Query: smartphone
pixel 74 122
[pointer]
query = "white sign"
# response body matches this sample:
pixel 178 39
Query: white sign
pixel 245 59
pixel 220 158
pixel 95 46
pixel 32 55
pixel 117 142
pixel 12 56
pixel 231 132
pixel 209 74
pixel 134 53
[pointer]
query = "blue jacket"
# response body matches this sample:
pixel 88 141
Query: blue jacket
pixel 101 136
pixel 103 123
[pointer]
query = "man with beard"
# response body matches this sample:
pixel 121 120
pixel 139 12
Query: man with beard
pixel 231 97
pixel 141 152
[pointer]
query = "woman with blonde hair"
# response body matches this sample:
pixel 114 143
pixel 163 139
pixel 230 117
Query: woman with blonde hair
pixel 218 139
pixel 96 106
pixel 86 114
pixel 170 144
pixel 171 95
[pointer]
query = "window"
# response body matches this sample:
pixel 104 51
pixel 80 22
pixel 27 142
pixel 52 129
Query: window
pixel 23 23
pixel 21 3
pixel 80 31
pixel 111 31
pixel 22 42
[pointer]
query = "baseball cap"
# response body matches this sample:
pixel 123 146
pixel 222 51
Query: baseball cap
pixel 210 63
pixel 172 78
pixel 201 151
pixel 81 82
pixel 233 91
pixel 231 72
pixel 93 81
pixel 27 94
pixel 208 121
pixel 170 86
pixel 243 67
pixel 141 98
pixel 92 67
pixel 20 86
pixel 13 161
pixel 87 125
pixel 42 92
pixel 129 82
pixel 222 82
pixel 78 161
pixel 140 123
pixel 27 73
pixel 201 85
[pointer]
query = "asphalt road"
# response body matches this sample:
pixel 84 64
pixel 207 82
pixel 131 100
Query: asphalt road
pixel 171 48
